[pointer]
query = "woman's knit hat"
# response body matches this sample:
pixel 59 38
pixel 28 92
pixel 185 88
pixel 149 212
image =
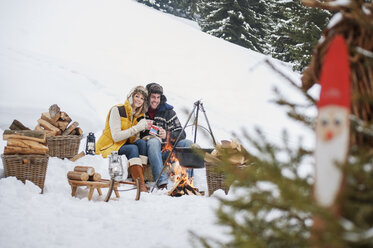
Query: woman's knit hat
pixel 139 89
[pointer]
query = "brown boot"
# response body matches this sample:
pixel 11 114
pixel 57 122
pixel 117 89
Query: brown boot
pixel 136 172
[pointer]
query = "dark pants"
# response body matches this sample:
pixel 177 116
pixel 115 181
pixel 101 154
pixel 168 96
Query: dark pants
pixel 134 150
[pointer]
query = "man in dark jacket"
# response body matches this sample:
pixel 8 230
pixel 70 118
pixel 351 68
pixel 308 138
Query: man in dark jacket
pixel 165 118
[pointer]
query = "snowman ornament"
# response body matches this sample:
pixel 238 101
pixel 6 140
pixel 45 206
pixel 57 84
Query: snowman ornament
pixel 332 124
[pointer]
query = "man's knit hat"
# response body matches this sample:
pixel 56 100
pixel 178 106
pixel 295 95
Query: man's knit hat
pixel 154 88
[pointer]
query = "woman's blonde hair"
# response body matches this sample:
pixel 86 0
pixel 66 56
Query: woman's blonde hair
pixel 138 89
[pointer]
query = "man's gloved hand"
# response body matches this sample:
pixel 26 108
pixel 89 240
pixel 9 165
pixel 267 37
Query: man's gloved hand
pixel 141 126
pixel 162 133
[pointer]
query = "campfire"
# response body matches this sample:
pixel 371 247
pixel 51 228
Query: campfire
pixel 183 183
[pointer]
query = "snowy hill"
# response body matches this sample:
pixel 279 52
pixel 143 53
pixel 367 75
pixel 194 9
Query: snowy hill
pixel 85 56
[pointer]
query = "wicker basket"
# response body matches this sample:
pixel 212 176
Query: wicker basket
pixel 215 179
pixel 63 146
pixel 26 167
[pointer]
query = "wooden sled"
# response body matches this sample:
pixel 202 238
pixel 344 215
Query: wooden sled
pixel 103 183
pixel 113 186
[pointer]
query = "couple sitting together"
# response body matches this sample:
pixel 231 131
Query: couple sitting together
pixel 127 130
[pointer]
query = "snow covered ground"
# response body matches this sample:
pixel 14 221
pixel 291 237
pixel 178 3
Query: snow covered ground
pixel 85 56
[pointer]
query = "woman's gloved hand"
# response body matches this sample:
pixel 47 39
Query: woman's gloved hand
pixel 141 126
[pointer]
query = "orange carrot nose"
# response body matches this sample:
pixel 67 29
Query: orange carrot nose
pixel 329 135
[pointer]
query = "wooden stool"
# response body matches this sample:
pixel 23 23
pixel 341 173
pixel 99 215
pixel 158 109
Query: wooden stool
pixel 92 185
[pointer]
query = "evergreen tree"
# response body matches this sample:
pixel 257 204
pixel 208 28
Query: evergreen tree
pixel 297 31
pixel 259 24
pixel 273 205
pixel 181 8
pixel 238 21
pixel 274 208
pixel 285 29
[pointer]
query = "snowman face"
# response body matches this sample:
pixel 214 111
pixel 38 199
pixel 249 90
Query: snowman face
pixel 331 121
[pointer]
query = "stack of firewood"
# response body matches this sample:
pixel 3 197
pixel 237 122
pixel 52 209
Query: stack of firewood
pixel 84 173
pixel 230 150
pixel 25 141
pixel 56 122
pixel 21 140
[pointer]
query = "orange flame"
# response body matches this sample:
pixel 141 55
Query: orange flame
pixel 178 172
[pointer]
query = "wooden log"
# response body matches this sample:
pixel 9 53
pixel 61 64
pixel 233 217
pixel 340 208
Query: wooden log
pixel 22 150
pixel 62 125
pixel 35 135
pixel 78 131
pixel 47 126
pixel 52 133
pixel 54 112
pixel 188 192
pixel 76 175
pixel 47 117
pixel 237 159
pixel 95 177
pixel 26 144
pixel 197 193
pixel 70 128
pixel 65 117
pixel 77 156
pixel 191 189
pixel 226 144
pixel 175 186
pixel 47 132
pixel 17 125
pixel 88 169
pixel 210 158
pixel 38 128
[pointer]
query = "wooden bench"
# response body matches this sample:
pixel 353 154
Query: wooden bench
pixel 92 185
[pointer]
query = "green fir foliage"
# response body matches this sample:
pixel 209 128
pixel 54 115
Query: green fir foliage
pixel 285 29
pixel 241 22
pixel 297 31
pixel 181 8
pixel 270 203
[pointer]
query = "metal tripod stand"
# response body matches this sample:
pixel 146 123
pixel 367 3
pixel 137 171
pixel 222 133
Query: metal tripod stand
pixel 198 105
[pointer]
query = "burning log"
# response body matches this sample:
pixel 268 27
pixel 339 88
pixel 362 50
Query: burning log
pixel 174 187
pixel 183 187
